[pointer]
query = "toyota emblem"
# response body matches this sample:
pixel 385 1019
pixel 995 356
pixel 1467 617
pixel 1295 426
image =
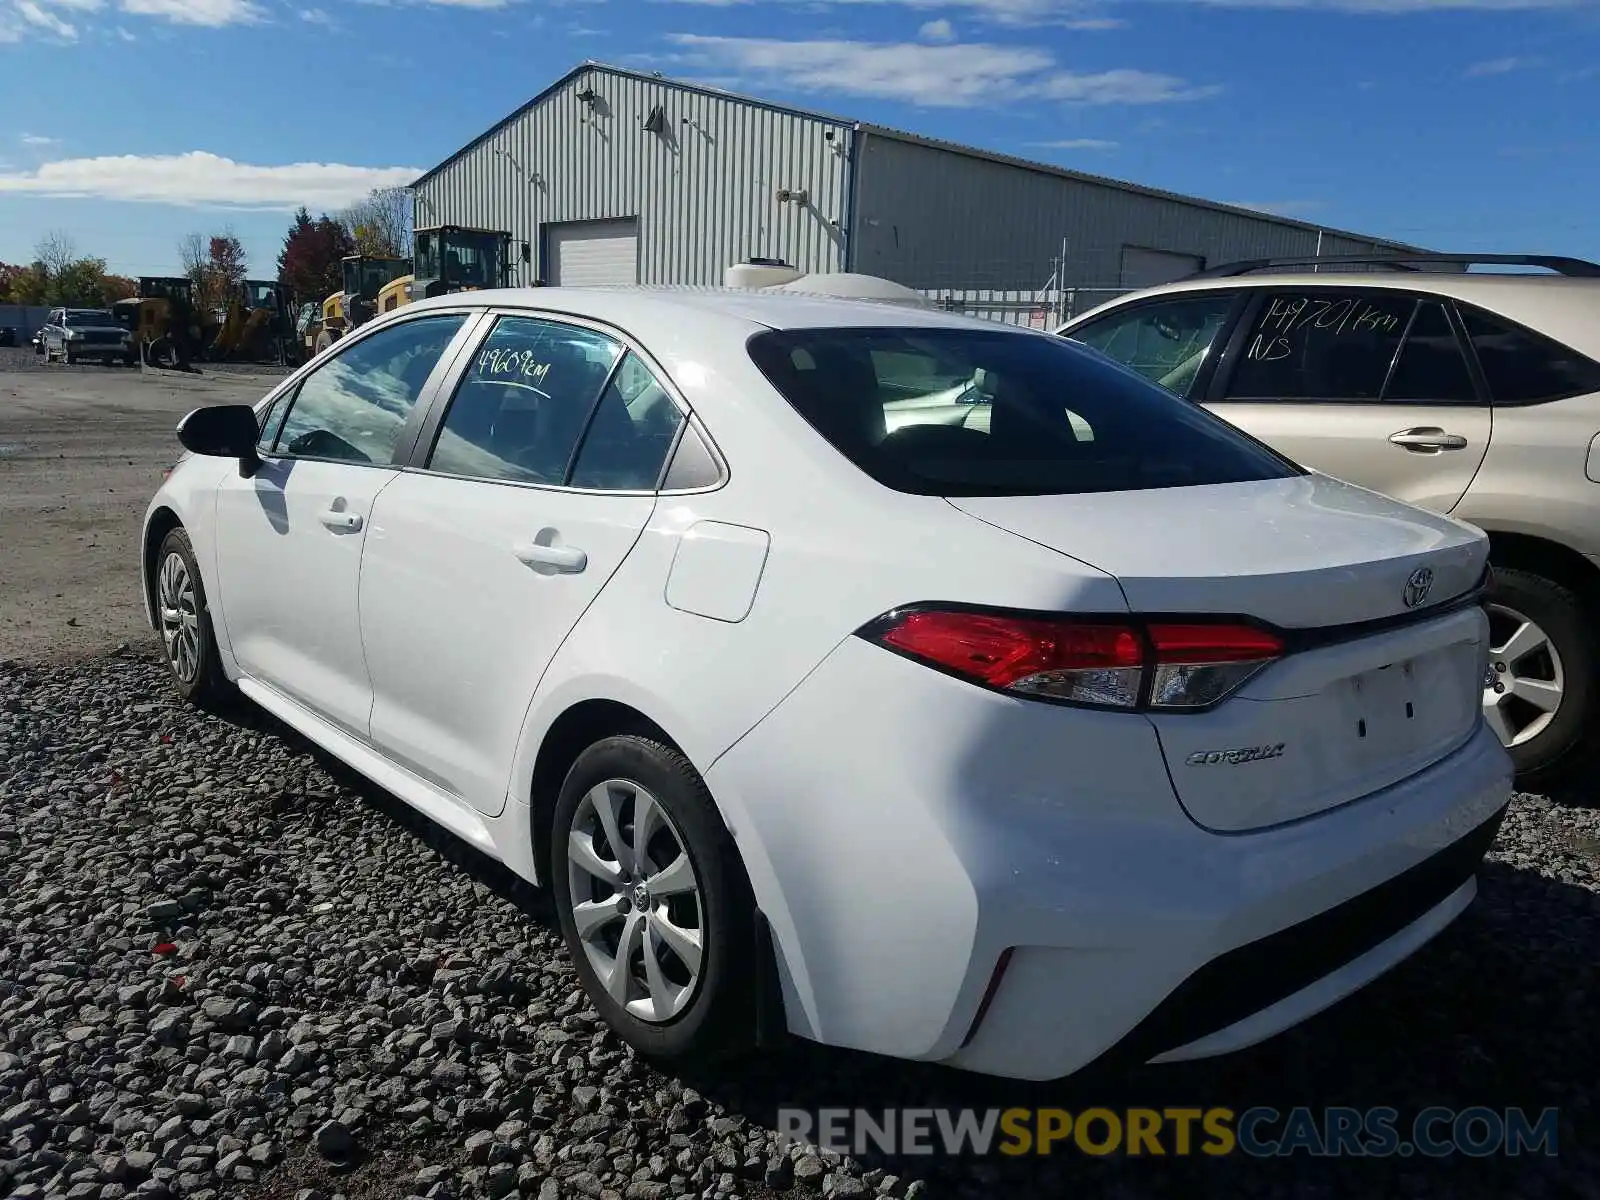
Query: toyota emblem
pixel 1417 587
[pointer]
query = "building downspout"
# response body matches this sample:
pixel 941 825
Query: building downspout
pixel 852 175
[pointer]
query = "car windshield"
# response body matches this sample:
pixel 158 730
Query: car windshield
pixel 972 412
pixel 472 259
pixel 96 317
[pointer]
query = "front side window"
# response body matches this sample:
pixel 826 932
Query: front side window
pixel 523 404
pixel 1052 418
pixel 1321 346
pixel 1167 342
pixel 1523 367
pixel 354 407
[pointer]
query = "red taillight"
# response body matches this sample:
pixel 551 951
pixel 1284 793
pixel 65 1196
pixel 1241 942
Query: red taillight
pixel 1091 663
pixel 1178 644
pixel 1107 663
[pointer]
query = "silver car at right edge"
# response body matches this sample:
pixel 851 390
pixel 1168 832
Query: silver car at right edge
pixel 1474 393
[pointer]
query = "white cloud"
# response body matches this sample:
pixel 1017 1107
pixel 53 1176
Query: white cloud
pixel 199 178
pixel 125 35
pixel 38 139
pixel 1079 144
pixel 1500 66
pixel 38 17
pixel 315 16
pixel 968 75
pixel 937 31
pixel 211 13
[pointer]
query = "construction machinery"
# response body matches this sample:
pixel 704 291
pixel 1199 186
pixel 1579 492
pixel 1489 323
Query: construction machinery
pixel 448 258
pixel 166 327
pixel 255 325
pixel 356 302
pixel 459 258
pixel 451 258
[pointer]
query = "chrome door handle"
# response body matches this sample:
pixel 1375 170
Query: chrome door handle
pixel 1428 439
pixel 559 560
pixel 340 521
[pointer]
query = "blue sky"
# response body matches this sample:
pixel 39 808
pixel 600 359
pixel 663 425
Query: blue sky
pixel 1462 124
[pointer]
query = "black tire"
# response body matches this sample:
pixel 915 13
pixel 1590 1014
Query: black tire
pixel 718 1019
pixel 202 682
pixel 1572 738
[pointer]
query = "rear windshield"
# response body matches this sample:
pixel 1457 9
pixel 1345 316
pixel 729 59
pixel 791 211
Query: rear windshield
pixel 967 412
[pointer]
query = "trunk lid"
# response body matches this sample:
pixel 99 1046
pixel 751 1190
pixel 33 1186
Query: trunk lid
pixel 1351 708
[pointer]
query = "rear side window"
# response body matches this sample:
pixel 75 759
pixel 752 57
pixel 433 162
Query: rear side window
pixel 1167 342
pixel 1431 367
pixel 1012 413
pixel 1523 367
pixel 627 444
pixel 1326 346
pixel 523 403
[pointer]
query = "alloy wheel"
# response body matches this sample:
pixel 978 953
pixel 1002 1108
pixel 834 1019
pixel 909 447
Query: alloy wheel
pixel 180 617
pixel 636 900
pixel 1525 681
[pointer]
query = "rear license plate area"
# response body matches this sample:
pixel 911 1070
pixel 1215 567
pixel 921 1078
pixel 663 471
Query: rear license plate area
pixel 1387 714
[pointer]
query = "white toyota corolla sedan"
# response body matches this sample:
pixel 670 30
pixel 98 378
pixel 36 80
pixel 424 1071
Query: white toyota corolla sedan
pixel 1051 721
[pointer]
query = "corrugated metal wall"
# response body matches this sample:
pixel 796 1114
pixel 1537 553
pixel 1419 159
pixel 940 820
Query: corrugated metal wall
pixel 703 191
pixel 938 220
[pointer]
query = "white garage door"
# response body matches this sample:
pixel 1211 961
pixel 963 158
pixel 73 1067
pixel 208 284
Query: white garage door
pixel 592 253
pixel 1146 268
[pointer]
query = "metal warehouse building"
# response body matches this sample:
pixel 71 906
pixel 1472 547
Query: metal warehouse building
pixel 617 176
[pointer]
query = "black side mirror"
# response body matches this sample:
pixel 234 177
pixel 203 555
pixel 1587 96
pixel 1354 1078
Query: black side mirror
pixel 223 431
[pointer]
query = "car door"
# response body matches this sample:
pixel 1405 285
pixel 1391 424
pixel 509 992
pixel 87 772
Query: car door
pixel 530 488
pixel 288 539
pixel 1365 384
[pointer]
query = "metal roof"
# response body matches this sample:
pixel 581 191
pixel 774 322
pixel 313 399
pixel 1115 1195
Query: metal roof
pixel 914 138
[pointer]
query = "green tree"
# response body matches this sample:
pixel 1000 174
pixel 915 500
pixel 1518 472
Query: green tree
pixel 30 285
pixel 81 281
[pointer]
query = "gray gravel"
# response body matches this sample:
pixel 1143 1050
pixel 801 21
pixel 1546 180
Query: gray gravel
pixel 229 968
pixel 22 358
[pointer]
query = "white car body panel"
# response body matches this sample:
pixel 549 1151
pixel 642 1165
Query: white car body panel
pixel 1296 552
pixel 900 828
pixel 287 573
pixel 449 687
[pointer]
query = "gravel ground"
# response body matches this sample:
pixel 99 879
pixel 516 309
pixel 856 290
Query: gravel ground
pixel 22 358
pixel 231 969
pixel 81 452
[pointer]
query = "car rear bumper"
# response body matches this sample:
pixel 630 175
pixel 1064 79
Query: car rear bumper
pixel 904 831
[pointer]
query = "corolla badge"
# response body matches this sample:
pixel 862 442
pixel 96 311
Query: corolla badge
pixel 1232 758
pixel 1417 587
